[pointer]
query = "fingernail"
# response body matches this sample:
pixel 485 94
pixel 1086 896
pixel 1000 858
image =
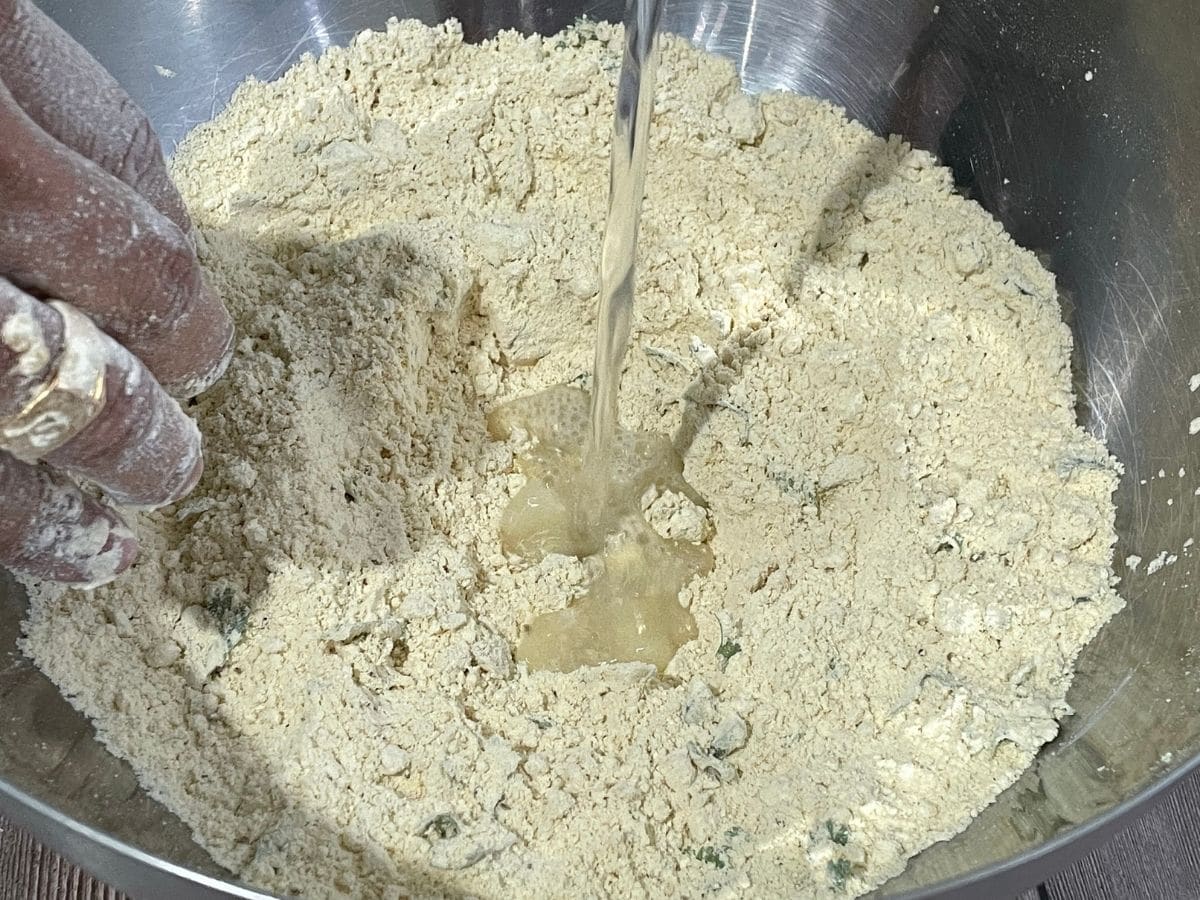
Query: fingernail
pixel 101 565
pixel 221 336
pixel 191 481
pixel 191 465
pixel 117 554
pixel 176 448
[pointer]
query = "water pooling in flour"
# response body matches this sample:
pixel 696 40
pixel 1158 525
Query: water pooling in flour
pixel 585 476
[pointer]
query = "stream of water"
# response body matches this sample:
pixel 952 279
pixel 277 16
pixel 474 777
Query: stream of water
pixel 627 180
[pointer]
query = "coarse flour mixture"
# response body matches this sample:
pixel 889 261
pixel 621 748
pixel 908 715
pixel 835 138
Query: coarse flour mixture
pixel 869 384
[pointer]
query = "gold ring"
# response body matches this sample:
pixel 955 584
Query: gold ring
pixel 70 398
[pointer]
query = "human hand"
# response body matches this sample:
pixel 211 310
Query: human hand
pixel 102 306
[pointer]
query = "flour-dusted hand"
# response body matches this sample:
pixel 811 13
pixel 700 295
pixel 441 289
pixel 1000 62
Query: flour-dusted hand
pixel 102 304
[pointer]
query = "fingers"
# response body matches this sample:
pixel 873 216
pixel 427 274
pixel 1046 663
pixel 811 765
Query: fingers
pixel 74 100
pixel 90 408
pixel 50 530
pixel 70 230
pixel 88 212
pixel 141 448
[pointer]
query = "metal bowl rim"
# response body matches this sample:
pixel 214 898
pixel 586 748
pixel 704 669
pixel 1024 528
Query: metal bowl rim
pixel 1094 829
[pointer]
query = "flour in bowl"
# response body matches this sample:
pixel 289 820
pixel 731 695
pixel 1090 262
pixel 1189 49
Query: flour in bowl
pixel 868 382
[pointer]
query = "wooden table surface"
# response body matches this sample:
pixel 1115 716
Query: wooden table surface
pixel 1156 858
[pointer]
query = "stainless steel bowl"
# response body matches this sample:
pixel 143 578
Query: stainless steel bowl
pixel 1097 173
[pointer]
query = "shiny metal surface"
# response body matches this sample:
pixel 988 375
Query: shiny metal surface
pixel 1098 175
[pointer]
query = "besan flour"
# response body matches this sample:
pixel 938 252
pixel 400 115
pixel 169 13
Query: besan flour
pixel 312 662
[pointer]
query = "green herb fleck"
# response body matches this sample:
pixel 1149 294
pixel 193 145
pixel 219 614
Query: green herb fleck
pixel 802 487
pixel 839 870
pixel 581 32
pixel 717 857
pixel 729 648
pixel 231 616
pixel 712 856
pixel 220 600
pixel 838 833
pixel 442 827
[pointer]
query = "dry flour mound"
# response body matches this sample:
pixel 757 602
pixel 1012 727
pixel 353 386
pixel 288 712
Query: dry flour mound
pixel 312 661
